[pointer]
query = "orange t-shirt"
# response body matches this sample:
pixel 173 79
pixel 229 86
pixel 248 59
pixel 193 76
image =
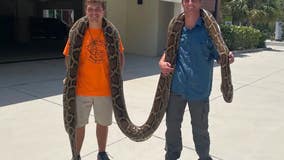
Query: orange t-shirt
pixel 93 71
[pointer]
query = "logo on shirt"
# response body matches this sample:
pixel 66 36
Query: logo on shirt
pixel 95 49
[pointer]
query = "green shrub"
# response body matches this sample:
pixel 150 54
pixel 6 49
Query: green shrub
pixel 242 37
pixel 261 43
pixel 266 30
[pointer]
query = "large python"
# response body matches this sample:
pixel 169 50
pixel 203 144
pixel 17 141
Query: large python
pixel 136 133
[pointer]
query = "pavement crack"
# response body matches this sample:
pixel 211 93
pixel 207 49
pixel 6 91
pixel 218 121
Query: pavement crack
pixel 95 151
pixel 251 83
pixel 31 82
pixel 189 148
pixel 32 95
pixel 259 79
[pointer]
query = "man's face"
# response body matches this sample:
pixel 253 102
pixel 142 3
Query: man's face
pixel 95 12
pixel 191 6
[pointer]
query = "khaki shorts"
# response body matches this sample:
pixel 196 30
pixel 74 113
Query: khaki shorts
pixel 102 107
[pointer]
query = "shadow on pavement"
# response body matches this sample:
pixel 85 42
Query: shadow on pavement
pixel 42 79
pixel 25 81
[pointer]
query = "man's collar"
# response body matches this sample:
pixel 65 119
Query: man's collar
pixel 199 22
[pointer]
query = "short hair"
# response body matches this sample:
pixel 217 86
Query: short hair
pixel 101 2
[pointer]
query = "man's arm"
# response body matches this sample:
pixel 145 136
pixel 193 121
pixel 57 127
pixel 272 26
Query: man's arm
pixel 231 58
pixel 122 61
pixel 66 65
pixel 166 67
pixel 66 54
pixel 66 61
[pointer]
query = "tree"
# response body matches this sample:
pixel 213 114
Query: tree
pixel 252 12
pixel 239 11
pixel 280 11
pixel 260 14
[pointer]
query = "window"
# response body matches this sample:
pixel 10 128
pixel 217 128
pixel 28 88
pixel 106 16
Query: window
pixel 65 15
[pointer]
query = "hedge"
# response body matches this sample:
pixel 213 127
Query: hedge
pixel 242 37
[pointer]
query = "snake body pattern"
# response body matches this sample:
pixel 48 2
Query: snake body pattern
pixel 143 132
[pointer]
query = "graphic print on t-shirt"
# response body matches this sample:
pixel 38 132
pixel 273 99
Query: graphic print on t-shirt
pixel 95 49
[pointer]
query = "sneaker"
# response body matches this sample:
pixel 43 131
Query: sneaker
pixel 102 156
pixel 77 158
pixel 209 158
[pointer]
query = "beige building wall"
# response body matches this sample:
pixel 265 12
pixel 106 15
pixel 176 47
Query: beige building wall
pixel 177 8
pixel 166 12
pixel 143 28
pixel 116 12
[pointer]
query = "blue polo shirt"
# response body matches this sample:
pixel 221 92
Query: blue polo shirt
pixel 194 67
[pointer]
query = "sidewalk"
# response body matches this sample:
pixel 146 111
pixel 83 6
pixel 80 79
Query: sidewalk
pixel 250 128
pixel 274 43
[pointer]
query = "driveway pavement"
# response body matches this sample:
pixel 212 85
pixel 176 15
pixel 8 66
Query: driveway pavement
pixel 249 128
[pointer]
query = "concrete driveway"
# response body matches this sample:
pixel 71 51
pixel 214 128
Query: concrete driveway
pixel 250 128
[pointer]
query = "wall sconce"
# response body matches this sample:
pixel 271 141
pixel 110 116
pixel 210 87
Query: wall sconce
pixel 139 2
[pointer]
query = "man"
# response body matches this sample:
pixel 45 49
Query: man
pixel 191 83
pixel 93 87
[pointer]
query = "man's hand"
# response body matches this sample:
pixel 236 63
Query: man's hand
pixel 166 68
pixel 231 57
pixel 64 80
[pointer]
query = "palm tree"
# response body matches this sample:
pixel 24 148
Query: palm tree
pixel 280 8
pixel 251 12
pixel 260 14
pixel 239 11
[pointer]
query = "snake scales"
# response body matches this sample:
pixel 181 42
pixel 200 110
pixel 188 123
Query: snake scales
pixel 136 133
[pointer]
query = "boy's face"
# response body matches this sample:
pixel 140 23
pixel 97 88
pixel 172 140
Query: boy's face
pixel 95 12
pixel 191 5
